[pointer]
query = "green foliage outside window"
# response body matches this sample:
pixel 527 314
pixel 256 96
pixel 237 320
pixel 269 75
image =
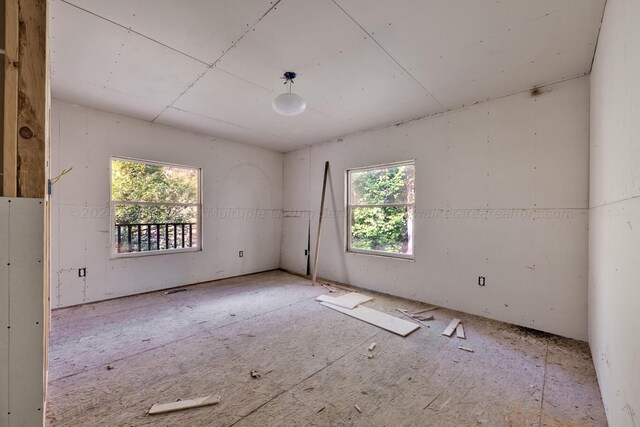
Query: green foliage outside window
pixel 382 228
pixel 144 182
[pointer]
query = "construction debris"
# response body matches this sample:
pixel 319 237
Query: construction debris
pixel 175 291
pixel 470 350
pixel 460 331
pixel 357 408
pixel 452 327
pixel 372 346
pixel 255 374
pixel 371 356
pixel 160 408
pixel 377 318
pixel 329 288
pixel 350 300
pixel 424 310
pixel 406 313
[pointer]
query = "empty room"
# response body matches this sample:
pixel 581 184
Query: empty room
pixel 320 213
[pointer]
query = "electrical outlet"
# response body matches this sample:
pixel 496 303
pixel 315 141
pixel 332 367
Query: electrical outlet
pixel 82 272
pixel 241 254
pixel 481 280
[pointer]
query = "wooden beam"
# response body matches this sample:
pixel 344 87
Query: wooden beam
pixel 324 189
pixel 32 98
pixel 10 147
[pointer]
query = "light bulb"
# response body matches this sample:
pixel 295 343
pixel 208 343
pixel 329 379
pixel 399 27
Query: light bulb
pixel 289 104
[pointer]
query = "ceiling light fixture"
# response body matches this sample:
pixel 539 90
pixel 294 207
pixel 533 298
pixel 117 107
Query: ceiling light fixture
pixel 289 104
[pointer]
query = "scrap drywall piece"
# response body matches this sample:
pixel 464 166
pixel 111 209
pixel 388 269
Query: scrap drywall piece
pixel 460 331
pixel 377 318
pixel 350 300
pixel 452 327
pixel 161 408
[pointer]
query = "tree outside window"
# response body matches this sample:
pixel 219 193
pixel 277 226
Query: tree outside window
pixel 380 209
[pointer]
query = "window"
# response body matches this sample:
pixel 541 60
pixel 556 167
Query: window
pixel 380 209
pixel 155 207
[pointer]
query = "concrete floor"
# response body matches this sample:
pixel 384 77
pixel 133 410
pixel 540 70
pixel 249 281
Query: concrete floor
pixel 110 361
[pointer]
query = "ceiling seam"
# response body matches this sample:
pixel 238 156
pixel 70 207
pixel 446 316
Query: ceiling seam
pixel 136 32
pixel 595 50
pixel 211 66
pixel 387 53
pixel 225 122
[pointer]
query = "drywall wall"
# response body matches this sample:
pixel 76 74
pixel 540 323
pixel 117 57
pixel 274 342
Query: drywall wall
pixel 21 312
pixel 242 203
pixel 501 192
pixel 614 237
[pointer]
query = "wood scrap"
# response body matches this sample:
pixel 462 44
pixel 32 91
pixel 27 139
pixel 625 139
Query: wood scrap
pixel 470 350
pixel 460 331
pixel 406 313
pixel 161 408
pixel 317 253
pixel 357 408
pixel 425 310
pixel 452 327
pixel 329 288
pixel 175 291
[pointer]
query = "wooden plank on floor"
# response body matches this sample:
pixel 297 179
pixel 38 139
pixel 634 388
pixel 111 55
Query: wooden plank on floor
pixel 452 327
pixel 377 318
pixel 460 331
pixel 161 408
pixel 350 300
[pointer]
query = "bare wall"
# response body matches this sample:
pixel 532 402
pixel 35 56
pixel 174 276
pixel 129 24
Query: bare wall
pixel 501 192
pixel 242 202
pixel 614 238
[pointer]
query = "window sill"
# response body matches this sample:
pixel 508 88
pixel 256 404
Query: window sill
pixel 400 257
pixel 154 253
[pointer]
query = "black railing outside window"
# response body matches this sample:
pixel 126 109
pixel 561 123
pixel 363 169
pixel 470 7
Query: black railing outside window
pixel 155 237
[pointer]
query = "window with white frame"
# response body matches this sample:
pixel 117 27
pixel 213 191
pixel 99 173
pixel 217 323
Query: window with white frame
pixel 380 209
pixel 155 207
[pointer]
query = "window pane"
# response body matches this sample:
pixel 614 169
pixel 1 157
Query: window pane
pixel 387 229
pixel 394 184
pixel 140 228
pixel 143 182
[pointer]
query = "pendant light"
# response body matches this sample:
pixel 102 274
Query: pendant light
pixel 289 104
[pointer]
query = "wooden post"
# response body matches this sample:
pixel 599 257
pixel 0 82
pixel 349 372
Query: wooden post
pixel 10 144
pixel 315 258
pixel 32 98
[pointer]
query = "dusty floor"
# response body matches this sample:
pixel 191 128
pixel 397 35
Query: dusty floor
pixel 111 361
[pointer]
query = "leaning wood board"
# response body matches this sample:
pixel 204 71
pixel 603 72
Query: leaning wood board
pixel 160 408
pixel 350 300
pixel 452 327
pixel 377 318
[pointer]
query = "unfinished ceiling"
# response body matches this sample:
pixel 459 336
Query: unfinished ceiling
pixel 214 66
